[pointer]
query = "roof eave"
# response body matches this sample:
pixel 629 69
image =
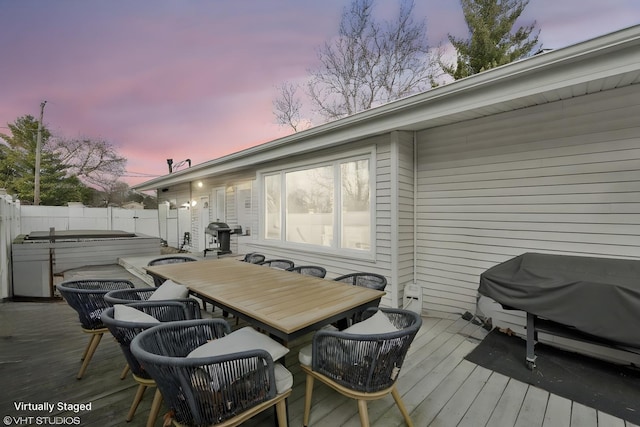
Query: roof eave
pixel 436 103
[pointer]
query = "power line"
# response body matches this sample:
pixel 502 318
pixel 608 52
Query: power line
pixel 132 174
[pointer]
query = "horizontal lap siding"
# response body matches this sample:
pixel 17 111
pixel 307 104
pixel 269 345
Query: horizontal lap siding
pixel 179 194
pixel 558 178
pixel 404 205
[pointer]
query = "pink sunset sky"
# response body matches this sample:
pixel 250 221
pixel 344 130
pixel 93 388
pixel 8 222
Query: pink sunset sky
pixel 196 79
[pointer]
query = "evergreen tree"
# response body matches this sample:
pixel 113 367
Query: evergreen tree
pixel 17 167
pixel 491 41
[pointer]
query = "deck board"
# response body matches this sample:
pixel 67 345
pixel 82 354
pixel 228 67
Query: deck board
pixel 41 343
pixel 508 406
pixel 485 402
pixel 455 409
pixel 438 386
pixel 558 412
pixel 533 408
pixel 582 415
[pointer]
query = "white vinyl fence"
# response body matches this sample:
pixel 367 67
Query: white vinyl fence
pixel 16 220
pixel 9 229
pixel 78 217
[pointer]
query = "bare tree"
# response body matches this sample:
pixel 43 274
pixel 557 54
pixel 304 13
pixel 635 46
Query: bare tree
pixel 368 63
pixel 287 107
pixel 406 65
pixel 95 162
pixel 115 192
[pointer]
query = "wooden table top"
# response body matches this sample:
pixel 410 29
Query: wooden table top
pixel 286 301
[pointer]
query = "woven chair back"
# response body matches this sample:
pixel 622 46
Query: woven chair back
pixel 366 363
pixel 283 264
pixel 367 280
pixel 86 297
pixel 125 331
pixel 157 280
pixel 203 390
pixel 310 270
pixel 126 296
pixel 171 260
pixel 254 258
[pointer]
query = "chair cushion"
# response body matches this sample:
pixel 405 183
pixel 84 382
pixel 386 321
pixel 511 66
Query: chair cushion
pixel 284 378
pixel 241 340
pixel 305 356
pixel 129 314
pixel 169 290
pixel 379 323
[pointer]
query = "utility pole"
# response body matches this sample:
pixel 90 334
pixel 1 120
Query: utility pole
pixel 36 186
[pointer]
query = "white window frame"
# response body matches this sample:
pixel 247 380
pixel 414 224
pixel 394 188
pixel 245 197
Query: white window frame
pixel 336 249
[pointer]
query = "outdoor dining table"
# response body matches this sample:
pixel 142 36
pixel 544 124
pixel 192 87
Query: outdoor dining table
pixel 287 305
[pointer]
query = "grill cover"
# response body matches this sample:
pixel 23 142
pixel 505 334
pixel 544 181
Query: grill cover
pixel 598 296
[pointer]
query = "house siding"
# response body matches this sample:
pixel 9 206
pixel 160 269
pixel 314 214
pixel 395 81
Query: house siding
pixel 229 184
pixel 558 178
pixel 171 228
pixel 403 228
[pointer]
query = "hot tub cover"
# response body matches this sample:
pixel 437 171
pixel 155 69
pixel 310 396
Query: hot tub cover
pixel 598 296
pixel 78 234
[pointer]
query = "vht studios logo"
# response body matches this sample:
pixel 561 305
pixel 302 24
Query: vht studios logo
pixel 40 421
pixel 43 413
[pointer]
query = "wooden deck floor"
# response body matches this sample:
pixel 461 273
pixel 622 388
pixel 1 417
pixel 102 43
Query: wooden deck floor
pixel 41 343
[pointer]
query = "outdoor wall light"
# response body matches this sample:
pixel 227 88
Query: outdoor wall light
pixel 200 184
pixel 193 203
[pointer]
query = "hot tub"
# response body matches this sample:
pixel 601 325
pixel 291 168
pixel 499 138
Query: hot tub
pixel 40 255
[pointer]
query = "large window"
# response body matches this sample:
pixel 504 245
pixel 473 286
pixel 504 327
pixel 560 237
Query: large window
pixel 325 205
pixel 356 205
pixel 273 207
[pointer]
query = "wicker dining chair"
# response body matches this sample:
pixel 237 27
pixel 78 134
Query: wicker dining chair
pixel 157 280
pixel 310 270
pixel 86 297
pixel 127 296
pixel 124 331
pixel 254 258
pixel 367 280
pixel 223 390
pixel 282 264
pixel 363 364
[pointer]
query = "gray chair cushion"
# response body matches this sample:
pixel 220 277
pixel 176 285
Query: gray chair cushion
pixel 169 290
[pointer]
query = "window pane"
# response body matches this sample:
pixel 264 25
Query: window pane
pixel 356 205
pixel 243 206
pixel 309 216
pixel 273 207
